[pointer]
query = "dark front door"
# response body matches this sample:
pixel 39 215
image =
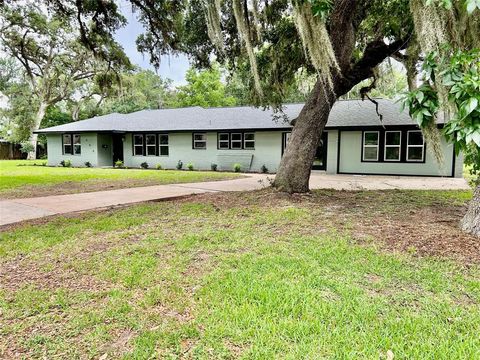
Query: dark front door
pixel 320 161
pixel 117 147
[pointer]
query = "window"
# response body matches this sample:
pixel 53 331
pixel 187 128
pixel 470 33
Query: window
pixel 199 141
pixel 249 141
pixel 138 145
pixel 72 144
pixel 224 141
pixel 67 143
pixel 393 142
pixel 236 141
pixel 370 145
pixel 285 139
pixel 77 145
pixel 415 146
pixel 151 144
pixel 163 144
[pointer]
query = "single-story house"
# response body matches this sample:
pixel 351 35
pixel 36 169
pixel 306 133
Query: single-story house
pixel 355 141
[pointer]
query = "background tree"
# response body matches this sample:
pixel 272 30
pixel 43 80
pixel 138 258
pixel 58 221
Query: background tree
pixel 203 88
pixel 139 90
pixel 46 45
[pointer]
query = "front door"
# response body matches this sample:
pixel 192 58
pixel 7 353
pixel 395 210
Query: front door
pixel 117 141
pixel 320 161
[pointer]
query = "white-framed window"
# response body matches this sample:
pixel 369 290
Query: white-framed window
pixel 393 145
pixel 200 141
pixel 138 145
pixel 67 143
pixel 370 145
pixel 236 141
pixel 77 144
pixel 163 144
pixel 249 141
pixel 415 146
pixel 151 144
pixel 224 141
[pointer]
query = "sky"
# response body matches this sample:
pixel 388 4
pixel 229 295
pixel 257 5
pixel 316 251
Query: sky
pixel 172 67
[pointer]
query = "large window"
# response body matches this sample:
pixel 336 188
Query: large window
pixel 72 144
pixel 138 145
pixel 415 146
pixel 249 141
pixel 200 141
pixel 223 140
pixel 151 144
pixel 393 144
pixel 163 144
pixel 370 145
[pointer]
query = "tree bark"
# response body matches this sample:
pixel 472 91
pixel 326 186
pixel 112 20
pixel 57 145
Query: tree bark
pixel 32 155
pixel 471 221
pixel 294 172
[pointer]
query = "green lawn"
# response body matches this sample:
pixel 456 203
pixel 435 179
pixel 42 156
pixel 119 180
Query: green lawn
pixel 253 275
pixel 29 180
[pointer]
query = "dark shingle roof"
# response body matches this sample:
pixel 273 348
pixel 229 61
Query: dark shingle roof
pixel 345 113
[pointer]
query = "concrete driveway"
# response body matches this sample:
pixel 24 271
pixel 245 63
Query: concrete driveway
pixel 16 210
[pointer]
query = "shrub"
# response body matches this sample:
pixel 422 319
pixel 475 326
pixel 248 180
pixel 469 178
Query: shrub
pixel 144 165
pixel 158 167
pixel 214 167
pixel 264 169
pixel 237 167
pixel 66 163
pixel 44 157
pixel 26 146
pixel 88 164
pixel 190 166
pixel 179 165
pixel 119 164
pixel 44 163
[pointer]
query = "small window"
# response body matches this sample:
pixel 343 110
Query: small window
pixel 199 141
pixel 151 144
pixel 224 141
pixel 415 146
pixel 138 145
pixel 236 141
pixel 393 142
pixel 67 143
pixel 370 145
pixel 249 141
pixel 163 144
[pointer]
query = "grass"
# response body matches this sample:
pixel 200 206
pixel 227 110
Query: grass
pixel 19 178
pixel 254 275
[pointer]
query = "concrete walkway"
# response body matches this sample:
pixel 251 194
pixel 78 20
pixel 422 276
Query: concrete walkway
pixel 16 210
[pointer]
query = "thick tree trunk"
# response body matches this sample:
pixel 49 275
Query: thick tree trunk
pixel 294 172
pixel 32 155
pixel 471 221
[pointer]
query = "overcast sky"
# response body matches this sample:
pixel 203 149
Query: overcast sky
pixel 171 67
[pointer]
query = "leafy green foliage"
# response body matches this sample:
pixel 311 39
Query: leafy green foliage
pixel 423 104
pixel 459 74
pixel 204 88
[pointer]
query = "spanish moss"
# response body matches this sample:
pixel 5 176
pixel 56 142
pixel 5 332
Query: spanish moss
pixel 244 34
pixel 212 15
pixel 316 41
